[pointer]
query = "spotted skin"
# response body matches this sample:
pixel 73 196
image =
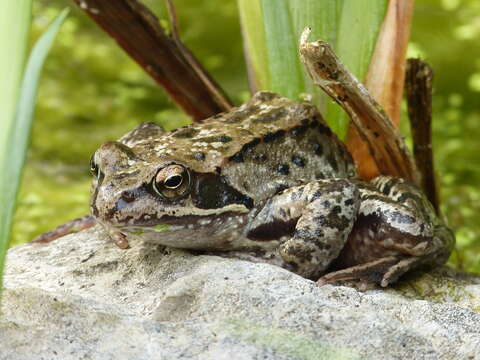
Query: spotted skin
pixel 396 230
pixel 323 227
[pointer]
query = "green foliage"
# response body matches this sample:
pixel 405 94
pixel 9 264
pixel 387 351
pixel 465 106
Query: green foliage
pixel 14 147
pixel 14 29
pixel 91 92
pixel 272 29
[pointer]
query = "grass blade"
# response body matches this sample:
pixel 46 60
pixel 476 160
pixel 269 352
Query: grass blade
pixel 14 30
pixel 255 43
pixel 285 70
pixel 359 24
pixel 14 148
pixel 385 78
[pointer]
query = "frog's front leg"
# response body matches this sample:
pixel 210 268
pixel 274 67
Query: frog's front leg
pixel 315 218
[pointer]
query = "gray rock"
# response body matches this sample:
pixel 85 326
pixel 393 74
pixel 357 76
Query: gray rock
pixel 80 297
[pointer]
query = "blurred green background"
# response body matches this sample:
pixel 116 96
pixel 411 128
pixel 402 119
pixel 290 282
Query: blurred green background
pixel 91 92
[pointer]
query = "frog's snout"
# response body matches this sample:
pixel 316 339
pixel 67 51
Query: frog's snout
pixel 109 162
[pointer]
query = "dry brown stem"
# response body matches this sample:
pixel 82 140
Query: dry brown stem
pixel 372 123
pixel 385 77
pixel 418 85
pixel 164 58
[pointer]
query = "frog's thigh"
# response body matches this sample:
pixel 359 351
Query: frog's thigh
pixel 324 225
pixel 435 240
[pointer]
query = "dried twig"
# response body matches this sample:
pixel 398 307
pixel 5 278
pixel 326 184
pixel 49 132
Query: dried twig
pixel 418 86
pixel 172 14
pixel 164 58
pixel 212 87
pixel 384 143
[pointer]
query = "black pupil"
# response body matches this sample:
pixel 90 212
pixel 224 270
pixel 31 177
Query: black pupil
pixel 173 181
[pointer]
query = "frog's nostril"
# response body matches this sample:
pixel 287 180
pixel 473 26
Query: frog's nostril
pixel 128 196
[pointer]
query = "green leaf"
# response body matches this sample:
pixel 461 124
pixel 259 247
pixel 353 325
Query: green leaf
pixel 358 28
pixel 255 42
pixel 285 71
pixel 14 30
pixel 14 145
pixel 272 28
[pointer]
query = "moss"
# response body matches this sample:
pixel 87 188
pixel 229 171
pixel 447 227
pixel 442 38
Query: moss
pixel 286 342
pixel 440 286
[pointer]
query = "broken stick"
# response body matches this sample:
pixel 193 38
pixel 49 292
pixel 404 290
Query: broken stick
pixel 418 86
pixel 164 58
pixel 384 142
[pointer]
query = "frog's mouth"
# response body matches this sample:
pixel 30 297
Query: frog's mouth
pixel 183 232
pixel 171 223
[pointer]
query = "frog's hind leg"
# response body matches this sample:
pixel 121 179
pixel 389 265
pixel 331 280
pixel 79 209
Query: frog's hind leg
pixel 396 231
pixel 443 242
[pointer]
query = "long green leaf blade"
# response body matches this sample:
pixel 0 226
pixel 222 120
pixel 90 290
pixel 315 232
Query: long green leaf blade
pixel 14 29
pixel 255 44
pixel 358 29
pixel 14 148
pixel 285 70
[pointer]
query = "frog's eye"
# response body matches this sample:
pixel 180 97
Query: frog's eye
pixel 94 169
pixel 172 181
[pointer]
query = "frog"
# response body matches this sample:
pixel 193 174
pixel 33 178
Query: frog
pixel 268 181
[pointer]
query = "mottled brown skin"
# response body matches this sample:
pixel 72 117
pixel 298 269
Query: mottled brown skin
pixel 269 182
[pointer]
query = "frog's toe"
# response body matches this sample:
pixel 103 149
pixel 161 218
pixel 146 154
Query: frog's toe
pixel 374 271
pixel 399 269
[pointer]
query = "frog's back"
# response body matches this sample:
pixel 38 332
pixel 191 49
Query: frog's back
pixel 266 144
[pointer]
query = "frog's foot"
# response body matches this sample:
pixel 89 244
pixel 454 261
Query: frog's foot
pixel 323 227
pixel 69 227
pixel 383 271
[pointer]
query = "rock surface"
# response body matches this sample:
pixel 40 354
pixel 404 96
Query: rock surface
pixel 80 297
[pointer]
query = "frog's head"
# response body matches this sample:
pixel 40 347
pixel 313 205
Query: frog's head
pixel 160 198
